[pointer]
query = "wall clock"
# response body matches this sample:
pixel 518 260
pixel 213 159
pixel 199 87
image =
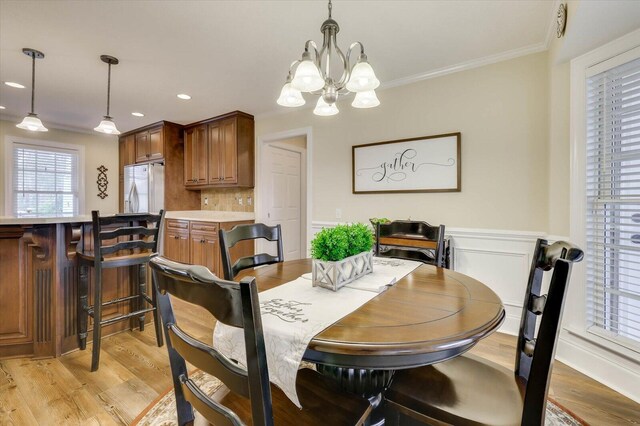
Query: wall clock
pixel 561 20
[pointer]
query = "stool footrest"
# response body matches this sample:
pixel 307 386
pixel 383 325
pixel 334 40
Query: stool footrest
pixel 120 300
pixel 125 316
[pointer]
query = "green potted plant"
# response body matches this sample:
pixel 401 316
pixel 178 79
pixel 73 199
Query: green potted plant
pixel 341 254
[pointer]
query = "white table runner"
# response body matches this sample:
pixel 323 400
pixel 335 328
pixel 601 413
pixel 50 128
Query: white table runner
pixel 293 313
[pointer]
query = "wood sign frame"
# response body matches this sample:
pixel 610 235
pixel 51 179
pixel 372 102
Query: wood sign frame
pixel 423 164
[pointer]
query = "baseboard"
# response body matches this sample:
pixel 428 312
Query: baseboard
pixel 579 355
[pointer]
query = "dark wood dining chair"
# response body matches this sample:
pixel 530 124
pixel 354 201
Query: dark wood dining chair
pixel 123 240
pixel 239 233
pixel 413 240
pixel 469 390
pixel 246 397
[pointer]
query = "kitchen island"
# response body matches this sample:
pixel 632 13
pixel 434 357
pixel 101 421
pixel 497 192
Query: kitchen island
pixel 38 285
pixel 39 275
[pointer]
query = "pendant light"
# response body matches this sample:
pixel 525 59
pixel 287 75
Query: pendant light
pixel 107 125
pixel 31 121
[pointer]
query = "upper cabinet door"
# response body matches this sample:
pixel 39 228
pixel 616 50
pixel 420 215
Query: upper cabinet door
pixel 142 146
pixel 156 150
pixel 215 152
pixel 195 156
pixel 229 157
pixel 127 150
pixel 190 172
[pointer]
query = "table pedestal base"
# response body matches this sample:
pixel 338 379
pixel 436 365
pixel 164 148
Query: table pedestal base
pixel 370 384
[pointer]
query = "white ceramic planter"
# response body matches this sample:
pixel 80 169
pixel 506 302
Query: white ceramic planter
pixel 333 275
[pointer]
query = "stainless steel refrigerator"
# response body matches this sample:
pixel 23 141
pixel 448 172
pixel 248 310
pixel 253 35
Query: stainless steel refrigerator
pixel 144 188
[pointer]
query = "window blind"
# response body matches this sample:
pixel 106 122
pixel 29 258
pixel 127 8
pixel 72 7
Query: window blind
pixel 45 181
pixel 613 203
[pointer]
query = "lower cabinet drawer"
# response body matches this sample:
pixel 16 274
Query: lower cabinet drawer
pixel 205 227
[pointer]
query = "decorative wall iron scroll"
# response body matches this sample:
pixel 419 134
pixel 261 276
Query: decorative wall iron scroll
pixel 102 182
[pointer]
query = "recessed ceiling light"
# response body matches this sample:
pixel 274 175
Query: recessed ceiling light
pixel 1 107
pixel 184 96
pixel 13 84
pixel 137 114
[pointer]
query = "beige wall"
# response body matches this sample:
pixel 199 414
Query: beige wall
pixel 99 150
pixel 559 147
pixel 501 111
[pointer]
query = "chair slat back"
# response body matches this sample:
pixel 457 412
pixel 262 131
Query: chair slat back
pixel 535 354
pixel 413 240
pixel 133 233
pixel 234 304
pixel 230 238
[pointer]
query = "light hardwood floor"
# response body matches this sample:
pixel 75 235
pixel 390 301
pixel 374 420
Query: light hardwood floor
pixel 134 371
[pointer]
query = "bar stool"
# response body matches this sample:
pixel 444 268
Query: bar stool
pixel 122 240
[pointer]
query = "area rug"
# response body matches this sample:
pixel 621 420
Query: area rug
pixel 162 411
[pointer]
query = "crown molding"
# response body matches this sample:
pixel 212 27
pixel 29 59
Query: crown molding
pixel 467 65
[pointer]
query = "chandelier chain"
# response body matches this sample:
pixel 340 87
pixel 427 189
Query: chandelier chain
pixel 330 6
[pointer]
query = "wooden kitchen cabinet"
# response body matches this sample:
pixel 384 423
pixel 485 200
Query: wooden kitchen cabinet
pixel 204 245
pixel 176 240
pixel 195 156
pixel 159 142
pixel 149 145
pixel 229 152
pixel 197 243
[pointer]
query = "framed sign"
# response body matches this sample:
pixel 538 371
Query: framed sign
pixel 425 164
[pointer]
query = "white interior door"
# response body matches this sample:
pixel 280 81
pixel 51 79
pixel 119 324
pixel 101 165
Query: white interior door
pixel 282 196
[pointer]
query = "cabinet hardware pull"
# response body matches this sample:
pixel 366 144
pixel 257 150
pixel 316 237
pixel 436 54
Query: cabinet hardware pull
pixel 203 241
pixel 176 237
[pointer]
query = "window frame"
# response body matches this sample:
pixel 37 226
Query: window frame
pixel 11 141
pixel 619 51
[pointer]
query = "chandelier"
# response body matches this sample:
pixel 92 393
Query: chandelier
pixel 312 74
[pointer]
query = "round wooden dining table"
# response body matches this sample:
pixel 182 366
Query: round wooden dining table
pixel 431 315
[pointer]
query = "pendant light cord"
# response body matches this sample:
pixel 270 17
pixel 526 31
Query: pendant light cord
pixel 330 6
pixel 33 80
pixel 108 90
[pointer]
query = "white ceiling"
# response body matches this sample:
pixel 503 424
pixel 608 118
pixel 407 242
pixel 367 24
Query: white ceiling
pixel 230 55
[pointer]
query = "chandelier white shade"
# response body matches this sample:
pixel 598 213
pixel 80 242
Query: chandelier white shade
pixel 366 99
pixel 31 121
pixel 107 125
pixel 307 77
pixel 312 74
pixel 290 97
pixel 362 78
pixel 324 109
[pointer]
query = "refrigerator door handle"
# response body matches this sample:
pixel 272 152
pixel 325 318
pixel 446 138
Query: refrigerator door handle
pixel 134 200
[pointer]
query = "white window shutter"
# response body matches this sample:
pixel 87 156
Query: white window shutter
pixel 613 203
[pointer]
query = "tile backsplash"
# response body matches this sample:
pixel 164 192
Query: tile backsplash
pixel 227 199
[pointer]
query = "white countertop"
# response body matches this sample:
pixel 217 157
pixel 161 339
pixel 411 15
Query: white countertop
pixel 210 215
pixel 200 215
pixel 42 220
